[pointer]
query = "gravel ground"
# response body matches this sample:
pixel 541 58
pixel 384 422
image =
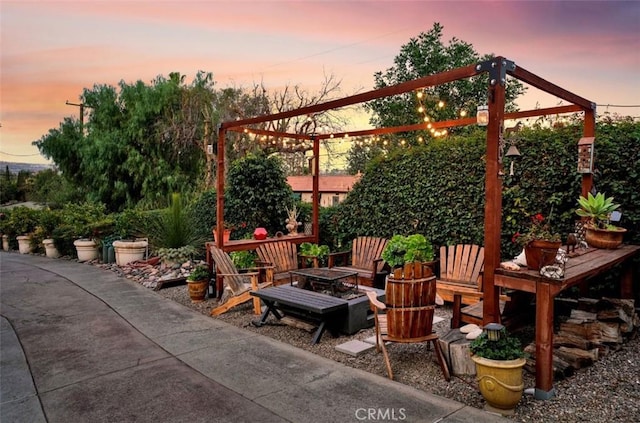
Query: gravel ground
pixel 608 391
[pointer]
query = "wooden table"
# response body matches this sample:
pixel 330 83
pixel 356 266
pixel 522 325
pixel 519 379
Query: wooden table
pixel 578 270
pixel 323 309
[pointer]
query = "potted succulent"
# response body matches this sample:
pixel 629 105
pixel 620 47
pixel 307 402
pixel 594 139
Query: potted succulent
pixel 197 282
pixel 600 233
pixel 407 249
pixel 499 360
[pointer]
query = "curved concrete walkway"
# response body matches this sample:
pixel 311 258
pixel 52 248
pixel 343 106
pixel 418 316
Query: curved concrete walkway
pixel 80 344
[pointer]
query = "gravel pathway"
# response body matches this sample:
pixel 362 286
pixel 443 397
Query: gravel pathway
pixel 608 391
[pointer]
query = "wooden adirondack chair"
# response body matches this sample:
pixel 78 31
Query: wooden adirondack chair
pixel 280 257
pixel 460 272
pixel 365 258
pixel 461 283
pixel 237 286
pixel 413 324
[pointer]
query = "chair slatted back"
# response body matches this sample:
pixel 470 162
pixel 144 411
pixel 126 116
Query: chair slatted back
pixel 224 265
pixel 462 264
pixel 366 250
pixel 283 255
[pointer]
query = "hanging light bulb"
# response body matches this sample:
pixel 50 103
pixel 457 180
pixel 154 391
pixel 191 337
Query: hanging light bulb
pixel 441 104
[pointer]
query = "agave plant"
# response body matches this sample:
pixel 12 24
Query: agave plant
pixel 597 209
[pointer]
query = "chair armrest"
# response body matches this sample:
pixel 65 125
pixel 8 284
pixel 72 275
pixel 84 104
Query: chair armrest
pixel 373 299
pixel 304 258
pixel 343 255
pixel 247 274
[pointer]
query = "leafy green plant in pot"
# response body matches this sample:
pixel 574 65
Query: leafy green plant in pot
pixel 197 282
pixel 314 254
pixel 499 360
pixel 401 250
pixel 596 210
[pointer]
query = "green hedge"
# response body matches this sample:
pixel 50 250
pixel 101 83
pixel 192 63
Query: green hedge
pixel 438 189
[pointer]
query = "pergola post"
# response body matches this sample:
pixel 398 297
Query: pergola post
pixel 315 183
pixel 589 130
pixel 220 189
pixel 493 188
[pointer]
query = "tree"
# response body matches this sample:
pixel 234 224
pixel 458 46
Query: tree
pixel 257 194
pixel 426 55
pixel 123 155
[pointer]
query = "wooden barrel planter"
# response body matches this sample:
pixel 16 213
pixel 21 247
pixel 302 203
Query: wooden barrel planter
pixel 410 299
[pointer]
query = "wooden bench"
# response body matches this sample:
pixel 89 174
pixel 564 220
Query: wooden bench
pixel 325 310
pixel 365 257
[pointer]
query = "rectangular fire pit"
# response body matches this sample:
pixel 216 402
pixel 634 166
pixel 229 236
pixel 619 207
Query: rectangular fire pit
pixel 359 315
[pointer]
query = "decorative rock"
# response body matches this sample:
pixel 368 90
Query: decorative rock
pixel 469 328
pixel 474 334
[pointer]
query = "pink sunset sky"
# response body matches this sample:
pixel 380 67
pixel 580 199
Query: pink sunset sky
pixel 52 50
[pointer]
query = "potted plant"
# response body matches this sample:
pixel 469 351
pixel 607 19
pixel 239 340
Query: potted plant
pixel 407 249
pixel 226 232
pixel 314 254
pixel 197 282
pixel 600 233
pixel 499 360
pixel 410 291
pixel 536 240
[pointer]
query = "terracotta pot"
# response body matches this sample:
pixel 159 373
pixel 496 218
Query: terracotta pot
pixel 540 253
pixel 226 236
pixel 500 383
pixel 603 238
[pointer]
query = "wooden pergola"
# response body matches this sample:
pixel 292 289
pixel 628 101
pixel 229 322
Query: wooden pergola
pixel 497 70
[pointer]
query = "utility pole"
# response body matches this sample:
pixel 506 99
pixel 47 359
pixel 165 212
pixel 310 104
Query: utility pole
pixel 82 106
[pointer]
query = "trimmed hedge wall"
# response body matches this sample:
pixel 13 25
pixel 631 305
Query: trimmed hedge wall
pixel 438 189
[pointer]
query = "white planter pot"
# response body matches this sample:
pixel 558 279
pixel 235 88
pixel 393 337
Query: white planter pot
pixel 87 249
pixel 128 251
pixel 5 242
pixel 50 249
pixel 24 244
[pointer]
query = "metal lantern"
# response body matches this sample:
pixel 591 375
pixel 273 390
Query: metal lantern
pixel 585 155
pixel 493 331
pixel 482 116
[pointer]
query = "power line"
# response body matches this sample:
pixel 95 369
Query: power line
pixel 618 105
pixel 20 155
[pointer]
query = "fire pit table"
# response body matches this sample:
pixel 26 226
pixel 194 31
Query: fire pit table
pixel 324 277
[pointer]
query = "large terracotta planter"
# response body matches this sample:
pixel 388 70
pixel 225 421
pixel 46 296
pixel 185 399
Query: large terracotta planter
pixel 500 383
pixel 540 253
pixel 604 238
pixel 87 249
pixel 128 251
pixel 50 249
pixel 24 244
